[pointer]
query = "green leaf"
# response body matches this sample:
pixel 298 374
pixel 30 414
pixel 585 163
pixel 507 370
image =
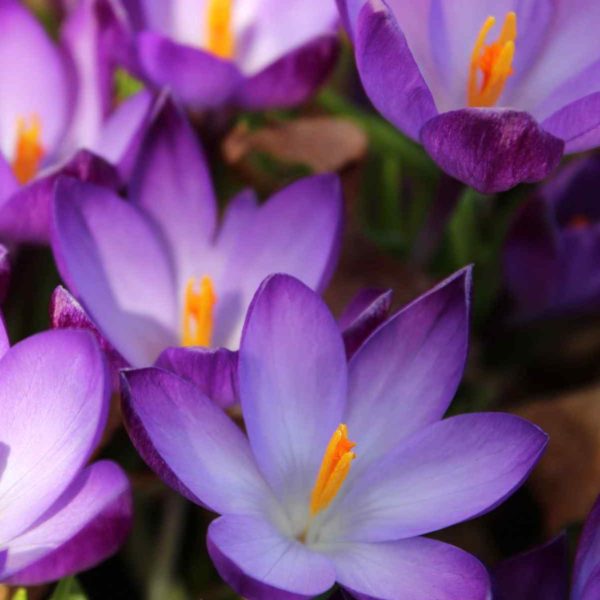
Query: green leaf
pixel 68 589
pixel 21 594
pixel 126 85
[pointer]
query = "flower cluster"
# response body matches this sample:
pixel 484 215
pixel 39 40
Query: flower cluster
pixel 194 188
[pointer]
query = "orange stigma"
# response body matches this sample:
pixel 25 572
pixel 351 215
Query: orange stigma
pixel 334 470
pixel 219 29
pixel 198 309
pixel 491 64
pixel 28 149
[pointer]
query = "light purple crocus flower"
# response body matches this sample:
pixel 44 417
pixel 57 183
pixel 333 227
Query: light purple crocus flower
pixel 301 508
pixel 56 113
pixel 158 272
pixel 251 53
pixel 543 573
pixel 495 102
pixel 552 250
pixel 60 515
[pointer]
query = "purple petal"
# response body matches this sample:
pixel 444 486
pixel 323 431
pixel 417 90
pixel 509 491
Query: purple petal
pixel 214 372
pixel 491 150
pixel 54 391
pixel 415 569
pixel 405 375
pixel 239 215
pixel 297 232
pixel 389 72
pixel 8 182
pixel 292 374
pixel 293 78
pixel 587 563
pixel 369 309
pixel 258 562
pixel 190 442
pixel 103 248
pixel 87 524
pixel 171 182
pixel 34 78
pixel 451 471
pixel 541 574
pixel 198 78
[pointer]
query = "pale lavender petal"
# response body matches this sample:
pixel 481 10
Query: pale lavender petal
pixel 214 372
pixel 85 526
pixel 369 309
pixel 416 568
pixel 199 79
pixel 239 215
pixel 491 150
pixel 540 574
pixel 451 471
pixel 172 184
pixel 389 72
pixel 587 563
pixel 59 380
pixel 103 247
pixel 191 443
pixel 260 563
pixel 292 374
pixel 405 375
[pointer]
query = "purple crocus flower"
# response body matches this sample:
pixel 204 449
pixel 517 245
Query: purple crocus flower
pixel 495 90
pixel 552 251
pixel 253 53
pixel 56 113
pixel 157 272
pixel 60 515
pixel 543 573
pixel 345 466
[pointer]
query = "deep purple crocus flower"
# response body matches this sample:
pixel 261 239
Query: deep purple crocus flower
pixel 552 251
pixel 345 465
pixel 543 573
pixel 60 515
pixel 495 90
pixel 251 53
pixel 157 272
pixel 56 113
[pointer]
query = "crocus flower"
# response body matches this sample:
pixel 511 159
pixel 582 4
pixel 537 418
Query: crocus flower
pixel 344 466
pixel 552 251
pixel 257 54
pixel 543 573
pixel 157 272
pixel 60 514
pixel 56 113
pixel 495 90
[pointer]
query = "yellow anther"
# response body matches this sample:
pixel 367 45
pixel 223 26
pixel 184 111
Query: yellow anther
pixel 491 64
pixel 198 309
pixel 29 151
pixel 220 39
pixel 334 470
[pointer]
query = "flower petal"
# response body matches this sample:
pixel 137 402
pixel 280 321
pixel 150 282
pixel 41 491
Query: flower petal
pixel 190 442
pixel 172 184
pixel 405 375
pixel 416 568
pixel 214 372
pixel 86 525
pixel 55 391
pixel 587 563
pixel 389 72
pixel 451 471
pixel 258 562
pixel 292 374
pixel 491 150
pixel 541 574
pixel 103 247
pixel 368 310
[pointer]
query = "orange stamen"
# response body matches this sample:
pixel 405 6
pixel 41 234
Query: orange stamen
pixel 491 64
pixel 28 149
pixel 219 35
pixel 334 470
pixel 198 312
pixel 579 222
